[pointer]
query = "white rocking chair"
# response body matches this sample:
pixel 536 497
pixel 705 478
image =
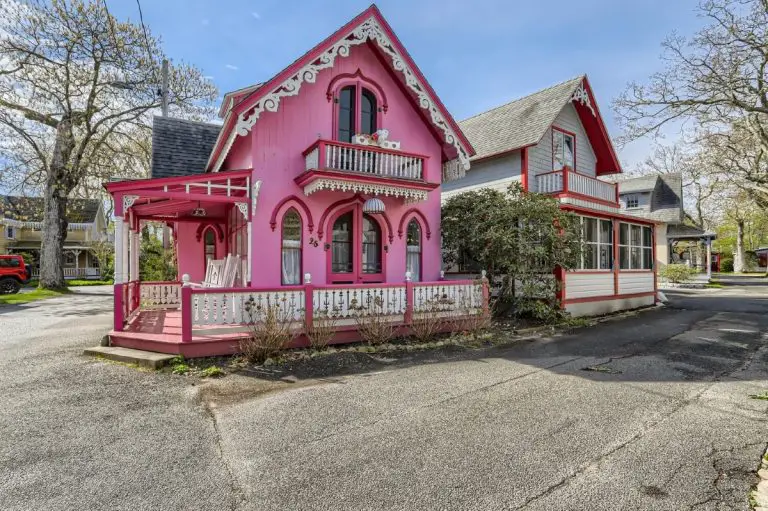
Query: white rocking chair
pixel 219 273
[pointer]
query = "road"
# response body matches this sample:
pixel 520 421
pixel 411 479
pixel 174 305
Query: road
pixel 665 422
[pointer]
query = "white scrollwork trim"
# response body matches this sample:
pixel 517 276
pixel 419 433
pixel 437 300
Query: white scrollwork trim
pixel 367 30
pixel 242 207
pixel 128 201
pixel 580 96
pixel 408 194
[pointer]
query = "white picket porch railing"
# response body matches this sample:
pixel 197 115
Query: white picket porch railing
pixel 346 302
pixel 160 295
pixel 327 155
pixel 74 273
pixel 462 297
pixel 225 307
pixel 567 180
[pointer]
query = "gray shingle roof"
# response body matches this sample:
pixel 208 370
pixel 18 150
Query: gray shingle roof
pixel 687 231
pixel 666 204
pixel 181 147
pixel 30 209
pixel 519 123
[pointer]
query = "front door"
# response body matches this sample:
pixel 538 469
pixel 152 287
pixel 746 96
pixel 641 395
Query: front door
pixel 356 249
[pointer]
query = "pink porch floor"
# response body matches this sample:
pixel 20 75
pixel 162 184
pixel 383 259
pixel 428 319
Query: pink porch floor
pixel 160 331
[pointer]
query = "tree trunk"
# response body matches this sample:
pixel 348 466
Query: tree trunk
pixel 57 188
pixel 738 258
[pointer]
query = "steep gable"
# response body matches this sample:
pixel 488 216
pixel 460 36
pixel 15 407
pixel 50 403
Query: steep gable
pixel 369 28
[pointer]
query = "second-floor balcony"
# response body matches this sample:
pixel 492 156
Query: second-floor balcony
pixel 332 165
pixel 571 183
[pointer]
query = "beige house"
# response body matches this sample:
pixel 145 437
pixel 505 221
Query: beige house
pixel 21 232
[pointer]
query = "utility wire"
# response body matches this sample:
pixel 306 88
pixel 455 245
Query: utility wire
pixel 146 38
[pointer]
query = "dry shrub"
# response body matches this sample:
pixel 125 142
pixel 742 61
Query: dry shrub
pixel 373 323
pixel 471 320
pixel 322 329
pixel 428 322
pixel 272 327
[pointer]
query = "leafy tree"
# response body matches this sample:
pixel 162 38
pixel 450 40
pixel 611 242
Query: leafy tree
pixel 521 238
pixel 717 78
pixel 155 262
pixel 77 90
pixel 104 251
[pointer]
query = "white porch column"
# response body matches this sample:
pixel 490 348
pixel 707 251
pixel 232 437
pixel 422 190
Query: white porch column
pixel 119 228
pixel 709 258
pixel 134 265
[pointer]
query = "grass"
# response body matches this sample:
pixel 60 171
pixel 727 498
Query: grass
pixel 714 285
pixel 32 296
pixel 763 396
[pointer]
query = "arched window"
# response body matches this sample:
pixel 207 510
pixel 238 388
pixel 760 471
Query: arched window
pixel 291 248
pixel 367 112
pixel 209 245
pixel 413 250
pixel 341 256
pixel 347 113
pixel 371 245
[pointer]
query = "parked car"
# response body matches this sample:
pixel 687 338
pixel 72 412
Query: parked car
pixel 13 274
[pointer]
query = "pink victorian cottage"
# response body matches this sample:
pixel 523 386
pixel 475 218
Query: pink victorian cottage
pixel 321 190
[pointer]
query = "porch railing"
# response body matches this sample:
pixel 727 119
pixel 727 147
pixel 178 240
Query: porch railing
pixel 160 295
pixel 74 273
pixel 566 180
pixel 371 160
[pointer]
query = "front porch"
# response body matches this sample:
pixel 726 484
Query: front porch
pixel 168 317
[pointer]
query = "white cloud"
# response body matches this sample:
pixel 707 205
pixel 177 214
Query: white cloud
pixel 256 15
pixel 206 22
pixel 230 66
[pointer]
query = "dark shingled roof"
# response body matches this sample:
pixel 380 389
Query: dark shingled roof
pixel 181 147
pixel 30 209
pixel 666 190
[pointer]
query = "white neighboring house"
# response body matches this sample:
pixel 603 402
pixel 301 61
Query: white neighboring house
pixel 555 142
pixel 21 222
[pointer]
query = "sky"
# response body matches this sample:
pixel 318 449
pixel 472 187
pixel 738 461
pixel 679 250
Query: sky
pixel 476 54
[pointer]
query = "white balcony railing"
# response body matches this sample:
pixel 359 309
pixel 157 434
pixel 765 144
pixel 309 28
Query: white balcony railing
pixel 568 181
pixel 339 156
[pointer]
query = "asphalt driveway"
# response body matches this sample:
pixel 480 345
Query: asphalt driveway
pixel 646 412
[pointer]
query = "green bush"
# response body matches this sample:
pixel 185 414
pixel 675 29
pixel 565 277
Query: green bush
pixel 726 263
pixel 677 273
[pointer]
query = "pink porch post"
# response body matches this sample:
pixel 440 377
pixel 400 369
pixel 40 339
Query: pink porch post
pixel 309 305
pixel 409 297
pixel 186 314
pixel 118 308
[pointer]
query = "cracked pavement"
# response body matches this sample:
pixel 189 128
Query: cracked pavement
pixel 667 424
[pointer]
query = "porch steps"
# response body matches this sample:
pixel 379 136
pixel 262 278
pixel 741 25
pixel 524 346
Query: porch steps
pixel 141 358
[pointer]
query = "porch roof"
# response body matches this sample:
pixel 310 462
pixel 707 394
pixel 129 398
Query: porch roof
pixel 172 198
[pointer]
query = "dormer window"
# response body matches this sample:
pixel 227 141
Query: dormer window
pixel 563 149
pixel 357 112
pixel 633 201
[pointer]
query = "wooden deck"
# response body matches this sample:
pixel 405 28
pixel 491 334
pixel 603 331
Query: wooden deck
pixel 160 331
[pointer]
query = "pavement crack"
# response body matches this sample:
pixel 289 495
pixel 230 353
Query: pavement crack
pixel 237 490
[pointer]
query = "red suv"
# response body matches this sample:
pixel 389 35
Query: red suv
pixel 13 274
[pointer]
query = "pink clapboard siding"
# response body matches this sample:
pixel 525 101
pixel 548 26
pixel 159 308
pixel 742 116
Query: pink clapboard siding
pixel 277 142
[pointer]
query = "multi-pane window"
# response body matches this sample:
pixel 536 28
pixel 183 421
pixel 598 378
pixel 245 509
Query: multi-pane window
pixel 633 201
pixel 10 232
pixel 598 243
pixel 371 245
pixel 291 249
pixel 635 247
pixel 341 246
pixel 347 114
pixel 563 150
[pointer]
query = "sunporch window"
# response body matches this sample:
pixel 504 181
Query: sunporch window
pixel 598 243
pixel 635 247
pixel 563 150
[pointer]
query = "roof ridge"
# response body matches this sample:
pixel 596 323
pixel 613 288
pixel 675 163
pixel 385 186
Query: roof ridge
pixel 189 121
pixel 525 97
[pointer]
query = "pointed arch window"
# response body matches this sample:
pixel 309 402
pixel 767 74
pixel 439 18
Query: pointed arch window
pixel 371 246
pixel 357 112
pixel 413 250
pixel 209 245
pixel 290 256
